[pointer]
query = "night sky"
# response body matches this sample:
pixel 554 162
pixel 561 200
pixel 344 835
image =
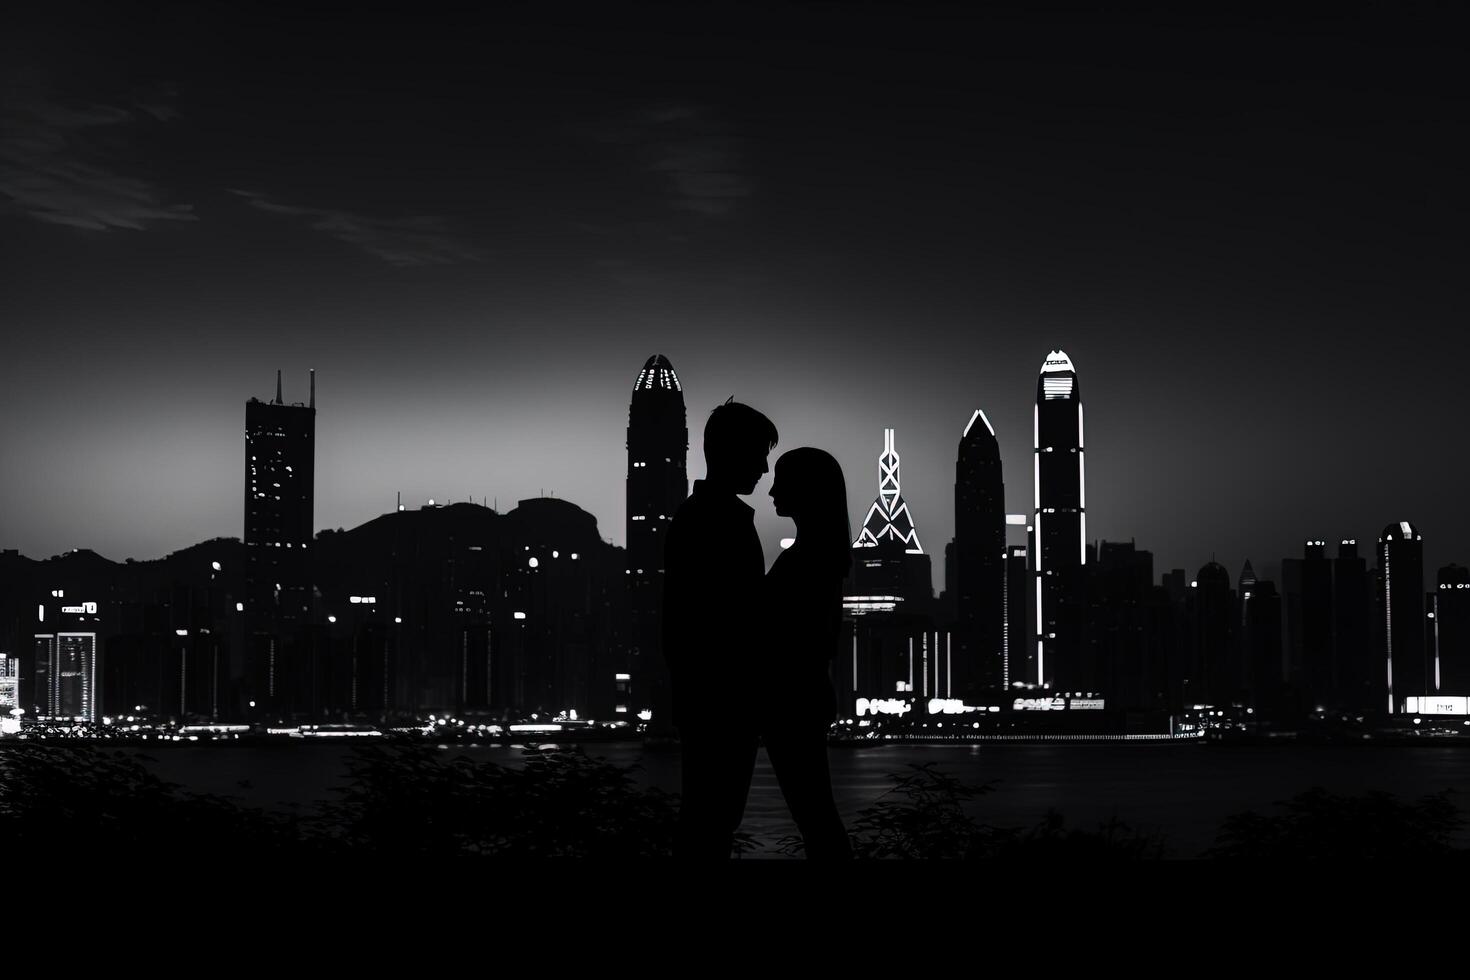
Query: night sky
pixel 1249 233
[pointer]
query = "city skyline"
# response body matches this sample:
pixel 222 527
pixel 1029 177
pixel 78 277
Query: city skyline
pixel 1243 229
pixel 772 529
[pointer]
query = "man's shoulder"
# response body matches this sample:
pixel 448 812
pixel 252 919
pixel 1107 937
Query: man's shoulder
pixel 712 510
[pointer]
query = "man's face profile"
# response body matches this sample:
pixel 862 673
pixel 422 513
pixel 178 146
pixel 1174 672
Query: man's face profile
pixel 749 467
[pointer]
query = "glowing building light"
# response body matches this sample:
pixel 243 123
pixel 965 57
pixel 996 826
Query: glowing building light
pixel 981 416
pixel 520 615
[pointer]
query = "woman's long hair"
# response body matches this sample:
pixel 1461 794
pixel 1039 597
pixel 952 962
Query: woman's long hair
pixel 818 493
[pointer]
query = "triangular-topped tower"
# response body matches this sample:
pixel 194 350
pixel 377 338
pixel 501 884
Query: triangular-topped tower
pixel 889 523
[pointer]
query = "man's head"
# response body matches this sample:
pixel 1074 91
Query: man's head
pixel 737 440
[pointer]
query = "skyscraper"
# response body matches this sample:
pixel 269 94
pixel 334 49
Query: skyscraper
pixel 1020 663
pixel 1319 677
pixel 1262 647
pixel 1450 623
pixel 1212 671
pixel 65 685
pixel 658 482
pixel 280 467
pixel 1401 565
pixel 1356 669
pixel 980 559
pixel 889 601
pixel 889 560
pixel 1060 524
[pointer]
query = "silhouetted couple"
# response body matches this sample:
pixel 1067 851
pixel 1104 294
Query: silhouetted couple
pixel 749 654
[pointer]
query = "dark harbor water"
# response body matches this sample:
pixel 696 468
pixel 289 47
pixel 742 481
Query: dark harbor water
pixel 1182 791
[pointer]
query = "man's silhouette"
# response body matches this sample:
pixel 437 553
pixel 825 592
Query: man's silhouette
pixel 713 573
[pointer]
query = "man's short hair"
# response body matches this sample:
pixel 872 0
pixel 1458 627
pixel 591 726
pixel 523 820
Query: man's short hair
pixel 736 428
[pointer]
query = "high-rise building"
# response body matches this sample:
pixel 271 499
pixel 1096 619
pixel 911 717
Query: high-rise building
pixel 1020 661
pixel 66 662
pixel 1318 678
pixel 9 683
pixel 1449 626
pixel 889 560
pixel 1262 647
pixel 280 466
pixel 888 601
pixel 658 482
pixel 1059 553
pixel 979 590
pixel 1212 673
pixel 1352 644
pixel 1126 652
pixel 1401 566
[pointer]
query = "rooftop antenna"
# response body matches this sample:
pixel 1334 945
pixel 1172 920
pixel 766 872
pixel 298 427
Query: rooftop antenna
pixel 278 387
pixel 313 387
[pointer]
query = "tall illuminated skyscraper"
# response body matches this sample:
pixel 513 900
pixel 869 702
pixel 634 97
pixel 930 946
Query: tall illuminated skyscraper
pixel 1060 525
pixel 888 559
pixel 1406 657
pixel 658 482
pixel 888 521
pixel 280 473
pixel 980 559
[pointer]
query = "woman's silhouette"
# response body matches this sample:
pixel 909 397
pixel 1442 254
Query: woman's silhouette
pixel 804 596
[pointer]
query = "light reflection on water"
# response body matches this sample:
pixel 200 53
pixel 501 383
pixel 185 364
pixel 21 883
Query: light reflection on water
pixel 1181 790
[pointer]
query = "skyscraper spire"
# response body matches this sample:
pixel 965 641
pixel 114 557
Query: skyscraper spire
pixel 313 387
pixel 888 518
pixel 278 388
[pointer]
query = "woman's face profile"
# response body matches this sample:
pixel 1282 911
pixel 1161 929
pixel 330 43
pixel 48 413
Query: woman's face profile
pixel 780 490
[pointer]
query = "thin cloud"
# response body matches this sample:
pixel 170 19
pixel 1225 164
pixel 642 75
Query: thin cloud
pixel 700 157
pixel 57 164
pixel 410 242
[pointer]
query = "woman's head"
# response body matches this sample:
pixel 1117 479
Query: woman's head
pixel 809 488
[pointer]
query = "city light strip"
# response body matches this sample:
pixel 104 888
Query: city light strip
pixel 1388 619
pixel 1435 616
pixel 924 645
